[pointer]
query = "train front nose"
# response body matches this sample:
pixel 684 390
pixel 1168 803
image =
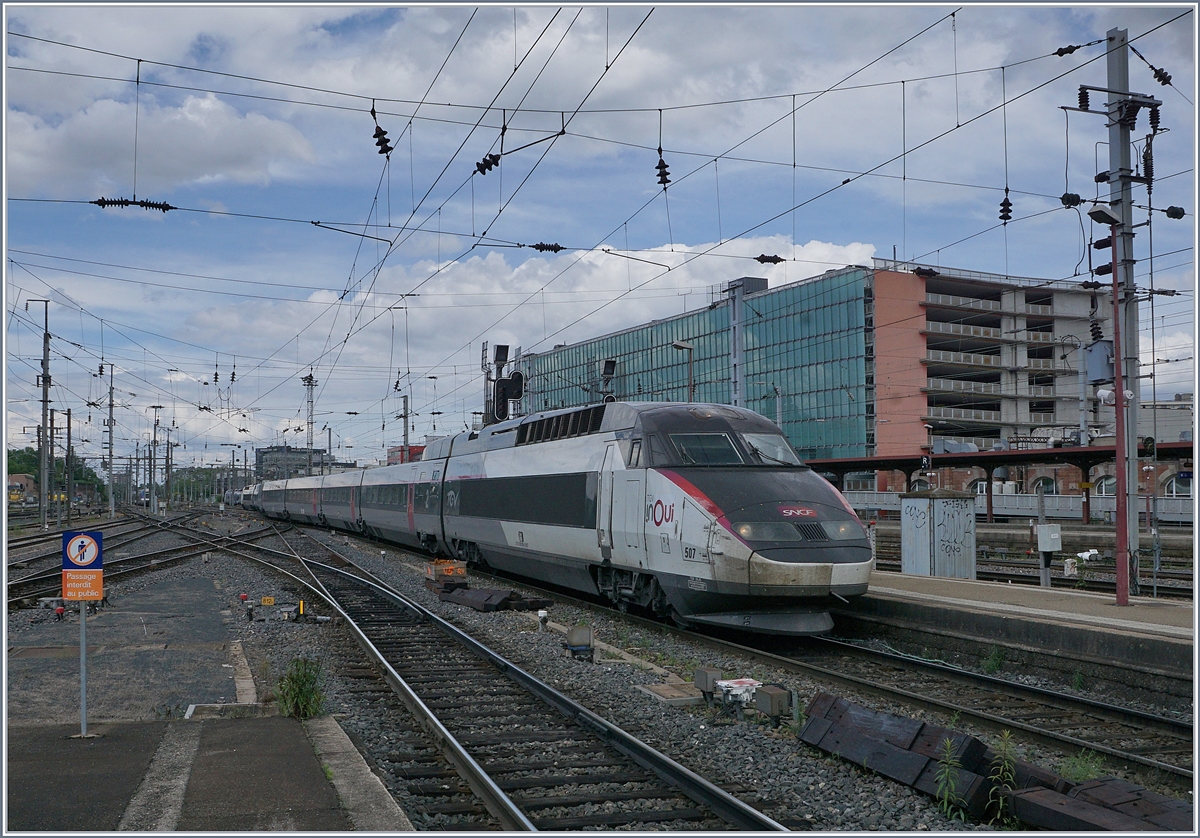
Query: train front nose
pixel 802 549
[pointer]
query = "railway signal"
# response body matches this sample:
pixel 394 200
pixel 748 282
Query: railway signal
pixel 507 389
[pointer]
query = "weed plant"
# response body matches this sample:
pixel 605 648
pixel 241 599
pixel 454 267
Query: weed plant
pixel 1004 779
pixel 1087 765
pixel 994 662
pixel 947 782
pixel 299 691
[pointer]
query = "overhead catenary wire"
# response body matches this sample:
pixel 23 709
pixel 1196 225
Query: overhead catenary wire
pixel 721 234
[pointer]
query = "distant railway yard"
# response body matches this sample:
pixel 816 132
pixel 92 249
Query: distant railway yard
pixel 503 727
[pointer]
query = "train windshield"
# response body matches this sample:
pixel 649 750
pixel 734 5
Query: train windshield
pixel 771 449
pixel 706 449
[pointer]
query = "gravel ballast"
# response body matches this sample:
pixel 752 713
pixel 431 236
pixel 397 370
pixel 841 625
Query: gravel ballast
pixel 770 769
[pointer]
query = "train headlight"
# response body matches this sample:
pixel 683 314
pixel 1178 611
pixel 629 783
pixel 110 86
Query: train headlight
pixel 767 531
pixel 843 530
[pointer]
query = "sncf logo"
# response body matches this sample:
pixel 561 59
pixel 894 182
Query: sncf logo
pixel 663 514
pixel 797 512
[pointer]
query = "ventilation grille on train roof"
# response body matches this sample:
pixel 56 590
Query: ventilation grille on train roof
pixel 564 425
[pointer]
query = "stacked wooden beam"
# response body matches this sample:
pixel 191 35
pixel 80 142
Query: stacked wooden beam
pixel 913 752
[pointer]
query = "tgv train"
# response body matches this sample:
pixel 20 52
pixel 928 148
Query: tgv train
pixel 699 512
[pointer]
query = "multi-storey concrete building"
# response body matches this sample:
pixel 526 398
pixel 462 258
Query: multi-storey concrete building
pixel 279 462
pixel 889 360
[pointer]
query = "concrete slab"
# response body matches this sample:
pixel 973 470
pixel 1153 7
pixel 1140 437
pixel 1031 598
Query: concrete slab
pixel 1175 619
pixel 364 797
pixel 1151 636
pixel 673 695
pixel 259 775
pixel 57 783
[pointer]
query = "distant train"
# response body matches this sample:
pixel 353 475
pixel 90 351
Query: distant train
pixel 701 513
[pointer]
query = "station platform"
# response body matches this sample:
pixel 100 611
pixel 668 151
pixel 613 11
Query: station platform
pixel 1156 636
pixel 229 766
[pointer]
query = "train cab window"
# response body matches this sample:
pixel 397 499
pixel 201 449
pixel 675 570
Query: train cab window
pixel 706 449
pixel 771 449
pixel 658 451
pixel 635 454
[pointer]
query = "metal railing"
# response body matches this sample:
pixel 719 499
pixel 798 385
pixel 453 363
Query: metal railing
pixel 956 386
pixel 1041 364
pixel 1035 308
pixel 964 358
pixel 963 302
pixel 983 443
pixel 962 329
pixel 1041 418
pixel 1041 390
pixel 1068 507
pixel 963 413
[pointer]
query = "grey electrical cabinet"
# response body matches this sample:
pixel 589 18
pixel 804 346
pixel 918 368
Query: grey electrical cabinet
pixel 937 533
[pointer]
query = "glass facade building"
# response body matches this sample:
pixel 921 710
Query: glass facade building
pixel 808 359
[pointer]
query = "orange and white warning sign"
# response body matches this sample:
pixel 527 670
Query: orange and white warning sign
pixel 83 584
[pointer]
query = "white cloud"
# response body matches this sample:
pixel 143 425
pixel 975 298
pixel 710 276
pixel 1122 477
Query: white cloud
pixel 72 137
pixel 202 141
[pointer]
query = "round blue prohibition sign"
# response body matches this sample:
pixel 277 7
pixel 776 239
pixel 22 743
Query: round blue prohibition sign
pixel 83 550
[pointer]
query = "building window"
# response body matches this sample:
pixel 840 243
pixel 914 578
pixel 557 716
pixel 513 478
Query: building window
pixel 863 481
pixel 1179 487
pixel 919 485
pixel 979 486
pixel 1105 486
pixel 1047 485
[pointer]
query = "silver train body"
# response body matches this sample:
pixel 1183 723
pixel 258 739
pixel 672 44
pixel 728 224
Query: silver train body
pixel 698 512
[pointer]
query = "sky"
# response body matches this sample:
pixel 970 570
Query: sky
pixel 293 246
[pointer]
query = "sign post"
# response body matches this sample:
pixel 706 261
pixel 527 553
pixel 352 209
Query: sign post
pixel 83 581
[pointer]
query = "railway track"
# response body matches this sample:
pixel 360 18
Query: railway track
pixel 536 758
pixel 25 590
pixel 1131 737
pixel 1171 583
pixel 52 541
pixel 493 746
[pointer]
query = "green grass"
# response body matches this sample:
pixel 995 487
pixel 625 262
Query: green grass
pixel 299 692
pixel 1086 765
pixel 994 661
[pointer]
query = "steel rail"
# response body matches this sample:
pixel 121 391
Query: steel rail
pixel 990 720
pixel 499 804
pixel 723 804
pixel 30 540
pixel 53 578
pixel 140 529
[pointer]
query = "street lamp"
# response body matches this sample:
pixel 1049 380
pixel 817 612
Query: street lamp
pixel 690 349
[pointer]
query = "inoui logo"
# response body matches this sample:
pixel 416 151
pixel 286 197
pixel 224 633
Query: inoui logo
pixel 663 514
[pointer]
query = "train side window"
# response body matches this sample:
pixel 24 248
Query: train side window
pixel 635 454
